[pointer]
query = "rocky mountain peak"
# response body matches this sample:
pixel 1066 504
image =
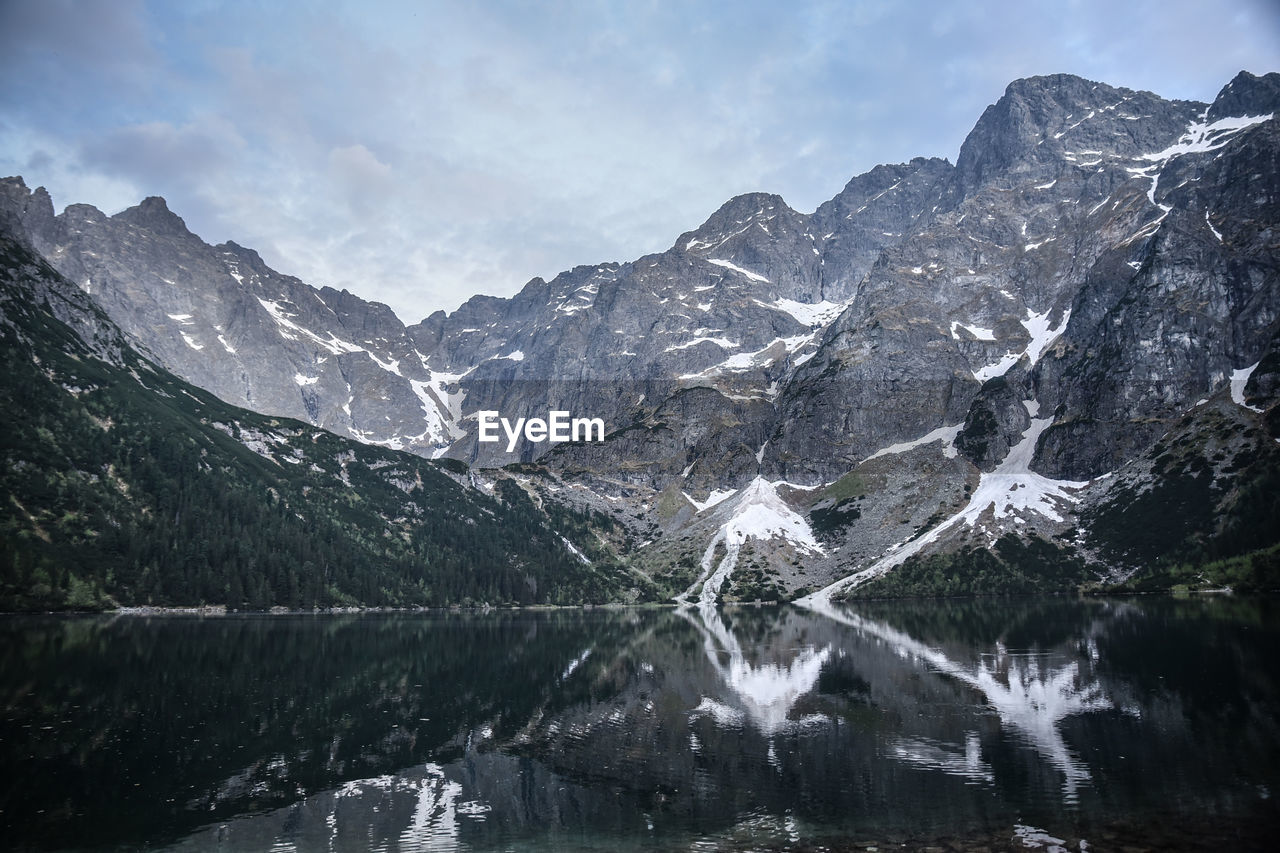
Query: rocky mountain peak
pixel 32 210
pixel 153 214
pixel 13 185
pixel 1063 89
pixel 246 254
pixel 732 216
pixel 930 350
pixel 1008 134
pixel 1043 124
pixel 1247 94
pixel 80 214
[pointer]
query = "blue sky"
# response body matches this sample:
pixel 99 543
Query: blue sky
pixel 416 153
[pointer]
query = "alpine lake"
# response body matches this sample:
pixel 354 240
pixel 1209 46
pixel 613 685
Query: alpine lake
pixel 1148 723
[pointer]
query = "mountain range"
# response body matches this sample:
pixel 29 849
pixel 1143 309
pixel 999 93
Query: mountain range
pixel 1053 363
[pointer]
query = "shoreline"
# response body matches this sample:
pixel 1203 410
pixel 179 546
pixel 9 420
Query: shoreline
pixel 223 610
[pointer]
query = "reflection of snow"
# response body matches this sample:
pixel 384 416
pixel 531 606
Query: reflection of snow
pixel 936 756
pixel 435 817
pixel 724 715
pixel 432 825
pixel 1026 698
pixel 574 664
pixel 1034 839
pixel 767 692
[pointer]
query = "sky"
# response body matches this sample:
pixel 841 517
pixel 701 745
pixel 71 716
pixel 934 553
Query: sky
pixel 417 153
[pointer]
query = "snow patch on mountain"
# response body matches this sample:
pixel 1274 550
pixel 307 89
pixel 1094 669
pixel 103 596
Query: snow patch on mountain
pixel 716 497
pixel 744 361
pixel 945 434
pixel 1209 222
pixel 730 265
pixel 573 549
pixel 978 332
pixel 757 513
pixel 1240 378
pixel 1042 336
pixel 290 330
pixel 1011 489
pixel 806 313
pixel 441 423
pixel 723 343
pixel 1201 136
pixel 1198 138
pixel 998 368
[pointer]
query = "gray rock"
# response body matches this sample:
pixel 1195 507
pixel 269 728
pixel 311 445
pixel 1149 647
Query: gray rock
pixel 1097 256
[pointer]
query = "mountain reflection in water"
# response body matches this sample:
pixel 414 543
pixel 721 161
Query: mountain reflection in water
pixel 767 692
pixel 643 729
pixel 1031 700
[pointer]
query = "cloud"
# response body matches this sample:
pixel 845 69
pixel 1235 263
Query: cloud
pixel 360 178
pixel 418 155
pixel 65 62
pixel 107 36
pixel 161 153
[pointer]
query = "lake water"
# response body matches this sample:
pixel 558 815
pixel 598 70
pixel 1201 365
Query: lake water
pixel 1077 725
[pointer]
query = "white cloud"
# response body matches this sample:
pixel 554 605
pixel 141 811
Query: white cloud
pixel 359 177
pixel 417 156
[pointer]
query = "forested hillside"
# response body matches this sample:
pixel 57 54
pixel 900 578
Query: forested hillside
pixel 122 484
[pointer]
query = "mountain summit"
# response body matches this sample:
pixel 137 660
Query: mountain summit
pixel 998 357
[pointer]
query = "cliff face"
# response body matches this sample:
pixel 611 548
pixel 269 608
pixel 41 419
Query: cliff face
pixel 1097 262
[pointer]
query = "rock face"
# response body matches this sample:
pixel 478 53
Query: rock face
pixel 125 485
pixel 1096 262
pixel 219 317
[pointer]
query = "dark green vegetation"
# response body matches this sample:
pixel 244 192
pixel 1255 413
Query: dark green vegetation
pixel 1014 567
pixel 1200 511
pixel 1209 516
pixel 187 720
pixel 122 484
pixel 753 579
pixel 837 506
pixel 1257 571
pixel 674 569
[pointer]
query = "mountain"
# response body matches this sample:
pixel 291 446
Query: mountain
pixel 967 369
pixel 126 485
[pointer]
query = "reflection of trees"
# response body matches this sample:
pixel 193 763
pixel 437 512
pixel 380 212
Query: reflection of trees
pixel 540 723
pixel 767 691
pixel 249 712
pixel 1030 699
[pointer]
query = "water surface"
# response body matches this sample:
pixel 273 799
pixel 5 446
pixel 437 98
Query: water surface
pixel 956 724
